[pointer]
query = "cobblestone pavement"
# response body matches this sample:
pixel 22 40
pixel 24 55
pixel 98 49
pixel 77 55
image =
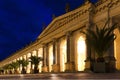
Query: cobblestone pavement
pixel 62 76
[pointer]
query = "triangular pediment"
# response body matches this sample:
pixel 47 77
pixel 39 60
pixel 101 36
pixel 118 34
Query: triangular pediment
pixel 61 21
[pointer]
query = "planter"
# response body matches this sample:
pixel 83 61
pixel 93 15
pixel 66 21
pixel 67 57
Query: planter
pixel 99 67
pixel 23 71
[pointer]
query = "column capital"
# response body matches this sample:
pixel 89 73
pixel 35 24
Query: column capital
pixel 69 33
pixel 44 44
pixel 36 50
pixel 88 24
pixel 54 39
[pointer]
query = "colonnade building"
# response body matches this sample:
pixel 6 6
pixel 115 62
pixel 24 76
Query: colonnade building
pixel 61 44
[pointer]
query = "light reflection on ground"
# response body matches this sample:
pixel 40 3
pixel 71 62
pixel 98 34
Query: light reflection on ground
pixel 62 76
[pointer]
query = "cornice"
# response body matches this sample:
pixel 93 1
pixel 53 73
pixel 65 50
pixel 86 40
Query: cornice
pixel 102 5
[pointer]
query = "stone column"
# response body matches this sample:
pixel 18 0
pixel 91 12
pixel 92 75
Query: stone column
pixel 47 57
pixel 89 56
pixel 37 56
pixel 29 63
pixel 25 58
pixel 40 54
pixel 110 58
pixel 32 65
pixel 31 71
pixel 55 55
pixel 54 51
pixel 44 68
pixel 68 45
pixel 21 58
pixel 18 69
pixel 58 56
pixel 70 66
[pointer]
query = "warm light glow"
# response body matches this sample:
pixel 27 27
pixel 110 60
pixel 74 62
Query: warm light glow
pixel 20 67
pixel 29 64
pixel 40 66
pixel 63 55
pixel 81 53
pixel 33 66
pixel 14 60
pixel 40 54
pixel 28 67
pixel 25 57
pixel 34 53
pixel 17 58
pixel 50 58
pixel 21 64
pixel 117 50
pixel 21 58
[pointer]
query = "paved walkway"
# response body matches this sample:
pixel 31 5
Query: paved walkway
pixel 62 76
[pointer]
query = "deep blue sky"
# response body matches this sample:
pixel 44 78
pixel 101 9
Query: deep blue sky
pixel 21 21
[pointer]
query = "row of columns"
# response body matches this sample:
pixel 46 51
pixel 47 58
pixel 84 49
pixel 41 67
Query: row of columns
pixel 70 55
pixel 29 67
pixel 56 55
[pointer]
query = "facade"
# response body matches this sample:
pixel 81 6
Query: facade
pixel 63 47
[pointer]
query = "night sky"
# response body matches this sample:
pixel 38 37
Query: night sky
pixel 21 21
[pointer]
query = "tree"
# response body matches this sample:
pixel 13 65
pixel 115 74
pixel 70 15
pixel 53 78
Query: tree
pixel 100 39
pixel 7 68
pixel 15 65
pixel 35 61
pixel 24 63
pixel 1 70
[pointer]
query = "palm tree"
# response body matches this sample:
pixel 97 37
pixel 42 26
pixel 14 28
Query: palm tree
pixel 100 39
pixel 7 68
pixel 35 61
pixel 1 70
pixel 15 65
pixel 24 63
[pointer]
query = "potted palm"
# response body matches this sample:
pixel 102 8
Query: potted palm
pixel 15 65
pixel 24 63
pixel 8 69
pixel 35 61
pixel 100 40
pixel 1 70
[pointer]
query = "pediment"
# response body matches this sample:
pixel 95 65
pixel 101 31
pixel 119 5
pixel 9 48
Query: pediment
pixel 50 28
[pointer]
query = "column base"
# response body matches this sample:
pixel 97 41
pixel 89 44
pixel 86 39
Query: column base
pixel 44 69
pixel 110 64
pixel 87 65
pixel 56 68
pixel 69 67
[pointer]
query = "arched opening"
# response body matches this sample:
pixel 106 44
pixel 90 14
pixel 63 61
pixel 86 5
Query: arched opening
pixel 63 56
pixel 81 53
